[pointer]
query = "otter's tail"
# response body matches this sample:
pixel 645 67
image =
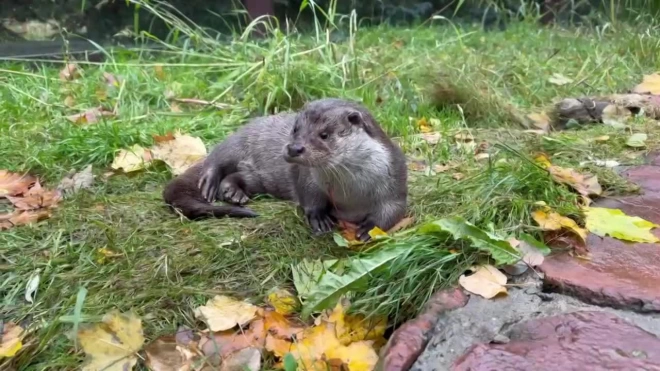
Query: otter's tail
pixel 194 209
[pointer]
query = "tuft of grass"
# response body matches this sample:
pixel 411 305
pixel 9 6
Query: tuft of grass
pixel 164 266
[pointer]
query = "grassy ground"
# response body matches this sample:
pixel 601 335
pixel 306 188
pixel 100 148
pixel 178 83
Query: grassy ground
pixel 166 266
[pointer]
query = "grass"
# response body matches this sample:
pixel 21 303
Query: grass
pixel 166 266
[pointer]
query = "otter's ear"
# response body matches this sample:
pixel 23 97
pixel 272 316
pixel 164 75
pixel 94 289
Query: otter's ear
pixel 355 118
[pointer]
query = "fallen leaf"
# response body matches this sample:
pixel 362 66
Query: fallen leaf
pixel 222 313
pixel 70 72
pixel 549 220
pixel 614 223
pixel 74 183
pixel 637 140
pixel 615 116
pixel 217 346
pixel 458 176
pixel 650 85
pixel 112 344
pixel 559 79
pixel 586 185
pixel 486 281
pixel 279 347
pixel 32 286
pixel 11 340
pixel 174 107
pixel 464 137
pixel 402 224
pixel 283 301
pixel 180 153
pixel 376 232
pixel 531 255
pixel 18 218
pixel 279 326
pixel 90 116
pixel 69 101
pixel 358 356
pixel 111 79
pixel 13 184
pixel 424 126
pixel 432 137
pixel 540 121
pixel 307 273
pixel 104 253
pixel 36 198
pixel 350 328
pixel 166 354
pixel 417 165
pixel 134 159
pixel 441 168
pixel 247 359
pixel 602 138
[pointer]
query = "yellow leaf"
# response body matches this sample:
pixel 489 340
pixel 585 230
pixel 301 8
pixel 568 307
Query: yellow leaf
pixel 112 344
pixel 602 138
pixel 279 326
pixel 355 327
pixel 134 159
pixel 222 313
pixel 650 85
pixel 180 153
pixel 613 222
pixel 486 281
pixel 359 356
pixel 585 184
pixel 377 232
pixel 550 220
pixel 283 301
pixel 424 126
pixel 10 342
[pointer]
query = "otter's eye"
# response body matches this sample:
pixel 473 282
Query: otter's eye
pixel 295 129
pixel 323 135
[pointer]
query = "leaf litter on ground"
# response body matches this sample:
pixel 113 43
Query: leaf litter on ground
pixel 486 281
pixel 31 202
pixel 585 185
pixel 74 182
pixel 637 140
pixel 223 312
pixel 91 116
pixel 650 85
pixel 11 341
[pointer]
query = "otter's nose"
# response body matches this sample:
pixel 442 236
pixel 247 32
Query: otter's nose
pixel 295 150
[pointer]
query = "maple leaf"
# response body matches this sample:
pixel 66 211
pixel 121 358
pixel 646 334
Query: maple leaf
pixel 36 198
pixel 279 326
pixel 247 359
pixel 90 116
pixel 613 222
pixel 180 153
pixel 166 354
pixel 217 346
pixel 550 220
pixel 486 281
pixel 350 328
pixel 540 121
pixel 586 185
pixel 223 312
pixel 11 340
pixel 134 159
pixel 12 184
pixel 112 344
pixel 424 125
pixel 283 301
pixel 650 85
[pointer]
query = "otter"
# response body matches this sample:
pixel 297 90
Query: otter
pixel 332 158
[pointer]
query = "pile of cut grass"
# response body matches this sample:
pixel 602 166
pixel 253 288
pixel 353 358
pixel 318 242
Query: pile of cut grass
pixel 166 266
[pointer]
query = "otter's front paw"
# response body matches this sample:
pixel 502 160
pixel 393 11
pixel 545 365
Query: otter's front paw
pixel 363 230
pixel 320 221
pixel 208 184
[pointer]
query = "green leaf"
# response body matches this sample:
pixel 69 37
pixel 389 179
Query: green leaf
pixel 290 363
pixel 533 242
pixel 332 286
pixel 637 140
pixel 307 273
pixel 613 222
pixel 339 240
pixel 500 249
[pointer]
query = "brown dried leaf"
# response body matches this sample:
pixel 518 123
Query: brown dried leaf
pixel 280 326
pixel 111 79
pixel 13 184
pixel 402 224
pixel 77 181
pixel 18 218
pixel 10 340
pixel 486 281
pixel 166 354
pixel 458 176
pixel 202 102
pixel 219 345
pixel 163 138
pixel 248 359
pixel 180 153
pixel 432 137
pixel 70 72
pixel 540 120
pixel 36 198
pixel 90 116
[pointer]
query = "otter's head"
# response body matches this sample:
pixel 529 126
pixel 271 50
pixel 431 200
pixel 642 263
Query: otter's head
pixel 327 131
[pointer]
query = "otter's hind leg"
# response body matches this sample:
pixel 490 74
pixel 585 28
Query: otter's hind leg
pixel 236 188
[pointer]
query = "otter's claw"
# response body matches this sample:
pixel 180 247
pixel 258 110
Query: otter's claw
pixel 320 221
pixel 208 184
pixel 363 230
